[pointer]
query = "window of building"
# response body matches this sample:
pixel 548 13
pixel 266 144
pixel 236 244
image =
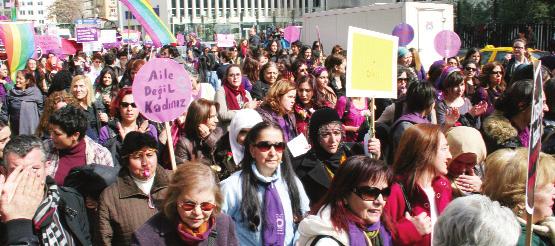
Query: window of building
pixel 41 21
pixel 41 12
pixel 30 3
pixel 22 12
pixel 39 3
pixel 22 3
pixel 30 12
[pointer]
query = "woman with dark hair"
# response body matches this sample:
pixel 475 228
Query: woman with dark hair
pixel 133 67
pixel 508 125
pixel 317 167
pixel 269 74
pixel 52 103
pixel 336 50
pixel 492 85
pixel 265 199
pixel 273 49
pixel 232 96
pixel 304 103
pixel 106 86
pixel 473 54
pixel 34 69
pixel 353 112
pixel 422 191
pixel 351 211
pixel 306 55
pixel 299 69
pixel 251 71
pixel 455 104
pixel 335 65
pixel 416 64
pixel 471 81
pixel 324 94
pixel 137 194
pixel 198 140
pixel 190 214
pixel 6 83
pixel 278 107
pixel 317 48
pixel 23 105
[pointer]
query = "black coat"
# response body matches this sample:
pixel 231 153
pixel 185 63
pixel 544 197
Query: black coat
pixel 74 219
pixel 259 90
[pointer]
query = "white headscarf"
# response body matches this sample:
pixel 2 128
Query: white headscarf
pixel 244 118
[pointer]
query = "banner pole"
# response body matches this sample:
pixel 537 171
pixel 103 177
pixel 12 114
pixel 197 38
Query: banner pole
pixel 170 145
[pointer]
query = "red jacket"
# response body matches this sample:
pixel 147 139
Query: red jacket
pixel 395 209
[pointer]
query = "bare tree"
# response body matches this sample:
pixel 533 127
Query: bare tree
pixel 65 11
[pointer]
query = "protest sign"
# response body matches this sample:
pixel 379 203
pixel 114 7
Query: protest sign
pixel 292 33
pixel 225 40
pixel 162 92
pixel 180 39
pixel 404 32
pixel 108 36
pixel 447 43
pixel 371 64
pixel 130 36
pixel 48 44
pixel 86 34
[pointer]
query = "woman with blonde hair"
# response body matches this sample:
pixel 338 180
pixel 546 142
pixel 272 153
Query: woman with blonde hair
pixel 191 212
pixel 278 107
pixel 82 89
pixel 505 182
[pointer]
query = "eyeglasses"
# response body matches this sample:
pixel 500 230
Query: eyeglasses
pixel 518 47
pixel 497 72
pixel 189 206
pixel 470 69
pixel 234 75
pixel 265 146
pixel 367 193
pixel 126 104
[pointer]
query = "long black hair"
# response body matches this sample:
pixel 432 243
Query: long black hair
pixel 250 204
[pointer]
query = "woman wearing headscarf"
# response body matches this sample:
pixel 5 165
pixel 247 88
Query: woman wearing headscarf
pixel 466 169
pixel 317 167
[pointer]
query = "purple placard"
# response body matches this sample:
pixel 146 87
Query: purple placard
pixel 111 45
pixel 48 44
pixel 405 32
pixel 447 43
pixel 180 39
pixel 162 90
pixel 292 33
pixel 86 34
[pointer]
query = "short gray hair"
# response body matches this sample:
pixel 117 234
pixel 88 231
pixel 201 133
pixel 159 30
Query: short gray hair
pixel 476 220
pixel 23 144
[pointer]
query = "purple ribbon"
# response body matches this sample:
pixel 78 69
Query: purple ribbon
pixel 274 218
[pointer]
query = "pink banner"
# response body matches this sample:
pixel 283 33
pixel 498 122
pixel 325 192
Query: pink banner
pixel 292 33
pixel 48 44
pixel 225 40
pixel 180 39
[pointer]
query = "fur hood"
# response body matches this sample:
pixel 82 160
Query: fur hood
pixel 498 128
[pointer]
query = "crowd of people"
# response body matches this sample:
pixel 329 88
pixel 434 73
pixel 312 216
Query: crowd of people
pixel 447 164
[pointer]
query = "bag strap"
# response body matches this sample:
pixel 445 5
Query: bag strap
pixel 324 236
pixel 212 238
pixel 408 207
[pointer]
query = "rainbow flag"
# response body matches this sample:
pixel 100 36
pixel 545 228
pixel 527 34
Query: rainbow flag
pixel 19 41
pixel 155 28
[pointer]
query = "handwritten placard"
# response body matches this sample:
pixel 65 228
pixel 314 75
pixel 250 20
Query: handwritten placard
pixel 162 90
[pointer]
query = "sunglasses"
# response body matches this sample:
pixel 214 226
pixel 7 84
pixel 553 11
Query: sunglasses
pixel 497 72
pixel 189 206
pixel 367 193
pixel 265 146
pixel 126 104
pixel 403 79
pixel 470 69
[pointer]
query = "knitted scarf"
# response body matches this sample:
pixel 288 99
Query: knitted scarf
pixel 231 96
pixel 47 220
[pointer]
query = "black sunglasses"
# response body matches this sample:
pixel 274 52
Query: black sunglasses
pixel 470 69
pixel 367 193
pixel 126 104
pixel 265 146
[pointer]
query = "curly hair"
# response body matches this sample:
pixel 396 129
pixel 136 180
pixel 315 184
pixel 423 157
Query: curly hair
pixel 276 92
pixel 487 70
pixel 50 106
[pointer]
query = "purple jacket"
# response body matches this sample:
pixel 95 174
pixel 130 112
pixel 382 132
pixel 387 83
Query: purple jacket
pixel 160 231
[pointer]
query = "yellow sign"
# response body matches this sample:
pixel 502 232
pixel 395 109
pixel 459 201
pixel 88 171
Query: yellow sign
pixel 371 64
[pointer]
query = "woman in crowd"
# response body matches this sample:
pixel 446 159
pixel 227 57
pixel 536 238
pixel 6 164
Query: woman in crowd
pixel 232 96
pixel 324 94
pixel 317 167
pixel 353 111
pixel 505 182
pixel 278 108
pixel 416 64
pixel 190 214
pixel 133 67
pixel 265 199
pixel 473 54
pixel 508 126
pixel 251 70
pixel 230 148
pixel 492 85
pixel 337 49
pixel 454 100
pixel 306 55
pixel 453 62
pixel 299 69
pixel 5 81
pixel 394 108
pixel 198 89
pixel 336 68
pixel 52 69
pixel 106 87
pixel 34 69
pixel 466 169
pixel 351 211
pixel 471 80
pixel 55 101
pixel 23 105
pixel 82 90
pixel 273 50
pixel 422 191
pixel 304 104
pixel 198 140
pixel 137 194
pixel 126 119
pixel 269 74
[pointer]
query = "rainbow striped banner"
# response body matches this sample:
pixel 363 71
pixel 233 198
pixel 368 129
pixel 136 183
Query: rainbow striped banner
pixel 154 27
pixel 19 41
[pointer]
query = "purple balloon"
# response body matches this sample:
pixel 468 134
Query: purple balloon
pixel 405 32
pixel 162 90
pixel 447 43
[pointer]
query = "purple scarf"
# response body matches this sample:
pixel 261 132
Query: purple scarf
pixel 286 126
pixel 273 230
pixel 357 237
pixel 413 118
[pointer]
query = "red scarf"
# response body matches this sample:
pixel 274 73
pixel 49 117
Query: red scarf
pixel 231 96
pixel 195 236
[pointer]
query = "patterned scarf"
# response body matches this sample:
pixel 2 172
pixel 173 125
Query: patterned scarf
pixel 375 233
pixel 47 220
pixel 273 230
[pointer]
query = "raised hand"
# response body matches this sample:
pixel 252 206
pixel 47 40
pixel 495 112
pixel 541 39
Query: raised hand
pixel 422 222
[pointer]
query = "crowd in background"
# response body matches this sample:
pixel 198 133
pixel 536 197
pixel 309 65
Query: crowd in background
pixel 447 164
